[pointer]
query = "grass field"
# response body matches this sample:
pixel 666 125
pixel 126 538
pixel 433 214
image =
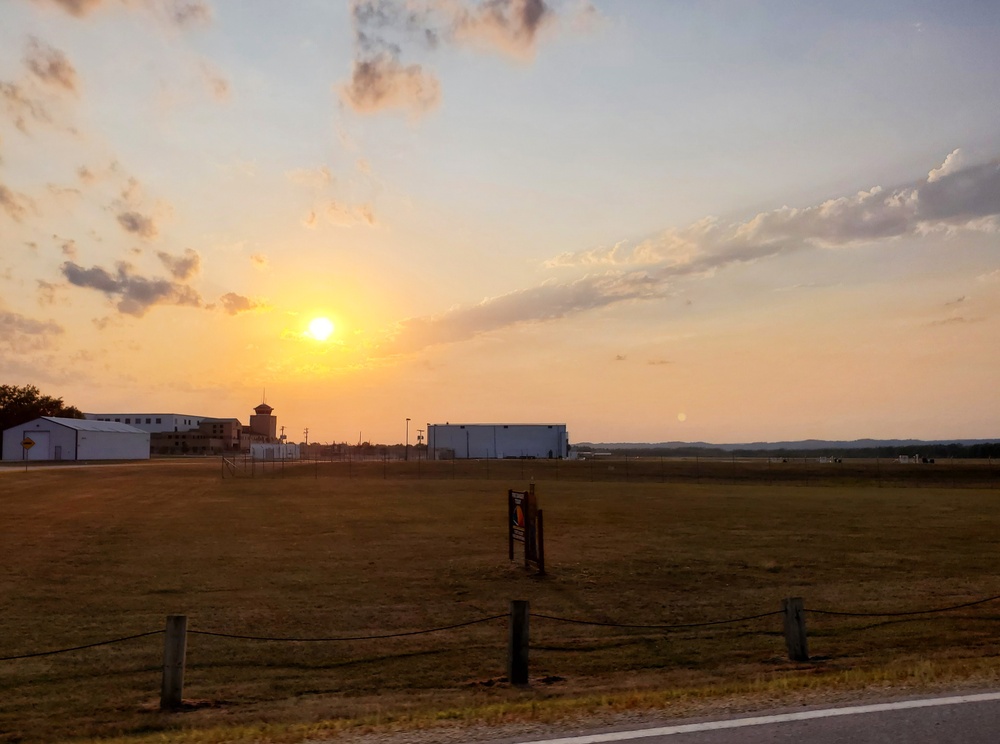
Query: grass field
pixel 94 554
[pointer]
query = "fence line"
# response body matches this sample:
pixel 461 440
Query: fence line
pixel 80 648
pixel 793 611
pixel 657 627
pixel 904 614
pixel 348 638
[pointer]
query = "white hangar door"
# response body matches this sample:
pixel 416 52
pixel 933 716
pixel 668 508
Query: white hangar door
pixel 41 449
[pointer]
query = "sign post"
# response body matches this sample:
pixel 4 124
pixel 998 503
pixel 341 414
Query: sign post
pixel 27 443
pixel 524 525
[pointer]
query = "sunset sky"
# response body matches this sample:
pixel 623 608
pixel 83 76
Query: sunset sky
pixel 649 220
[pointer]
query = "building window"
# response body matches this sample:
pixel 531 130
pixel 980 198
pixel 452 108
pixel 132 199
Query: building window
pixel 149 421
pixel 158 421
pixel 127 421
pixel 118 420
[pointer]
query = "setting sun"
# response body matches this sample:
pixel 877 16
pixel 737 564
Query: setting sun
pixel 320 328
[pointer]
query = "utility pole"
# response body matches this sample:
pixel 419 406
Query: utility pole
pixel 406 449
pixel 307 434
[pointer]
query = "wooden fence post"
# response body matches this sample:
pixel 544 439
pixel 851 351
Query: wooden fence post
pixel 174 651
pixel 795 629
pixel 517 643
pixel 540 532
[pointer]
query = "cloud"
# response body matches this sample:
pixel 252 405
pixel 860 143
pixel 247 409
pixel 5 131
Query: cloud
pixel 20 108
pixel 135 294
pixel 234 304
pixel 955 161
pixel 14 204
pixel 545 302
pixel 509 25
pixel 78 8
pixel 383 28
pixel 181 13
pixel 217 84
pixel 46 292
pixel 181 267
pixel 959 199
pixel 68 248
pixel 381 82
pixel 349 215
pixel 50 66
pixel 138 224
pixel 19 333
pixel 316 178
pixel 259 261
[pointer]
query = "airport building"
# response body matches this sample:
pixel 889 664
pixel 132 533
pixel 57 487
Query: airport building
pixel 53 438
pixel 487 441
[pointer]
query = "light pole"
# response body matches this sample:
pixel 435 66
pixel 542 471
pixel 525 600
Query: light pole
pixel 406 451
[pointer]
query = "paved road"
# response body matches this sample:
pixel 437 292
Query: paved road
pixel 964 719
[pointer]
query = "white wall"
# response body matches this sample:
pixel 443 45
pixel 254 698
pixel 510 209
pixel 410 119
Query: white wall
pixel 498 440
pixel 113 445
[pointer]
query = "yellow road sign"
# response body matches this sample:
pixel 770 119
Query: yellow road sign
pixel 27 443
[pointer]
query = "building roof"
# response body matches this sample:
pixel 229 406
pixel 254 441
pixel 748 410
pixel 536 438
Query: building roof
pixel 91 425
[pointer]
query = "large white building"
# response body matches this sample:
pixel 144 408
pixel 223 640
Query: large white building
pixel 472 441
pixel 154 423
pixel 75 439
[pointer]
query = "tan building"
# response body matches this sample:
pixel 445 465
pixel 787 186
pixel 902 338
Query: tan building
pixel 263 423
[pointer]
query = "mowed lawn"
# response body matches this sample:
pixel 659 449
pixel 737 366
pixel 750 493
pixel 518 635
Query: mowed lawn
pixel 91 554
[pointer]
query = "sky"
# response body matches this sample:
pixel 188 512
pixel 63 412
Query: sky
pixel 650 220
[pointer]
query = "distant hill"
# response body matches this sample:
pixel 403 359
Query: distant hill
pixel 861 448
pixel 803 444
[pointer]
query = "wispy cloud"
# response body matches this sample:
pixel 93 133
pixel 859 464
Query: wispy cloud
pixel 181 267
pixel 138 224
pixel 234 304
pixel 14 204
pixel 181 13
pixel 20 333
pixel 50 66
pixel 955 198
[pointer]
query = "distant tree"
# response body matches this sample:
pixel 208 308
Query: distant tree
pixel 20 404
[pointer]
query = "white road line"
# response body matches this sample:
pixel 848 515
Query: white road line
pixel 763 720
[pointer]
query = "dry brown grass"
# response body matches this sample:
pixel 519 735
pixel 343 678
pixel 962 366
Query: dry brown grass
pixel 100 553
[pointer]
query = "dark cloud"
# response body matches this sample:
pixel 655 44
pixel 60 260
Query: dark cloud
pixel 234 304
pixel 181 267
pixel 139 224
pixel 381 82
pixel 14 204
pixel 51 66
pixel 509 25
pixel 135 294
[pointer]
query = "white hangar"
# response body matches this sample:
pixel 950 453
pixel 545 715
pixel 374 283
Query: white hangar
pixel 471 441
pixel 75 439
